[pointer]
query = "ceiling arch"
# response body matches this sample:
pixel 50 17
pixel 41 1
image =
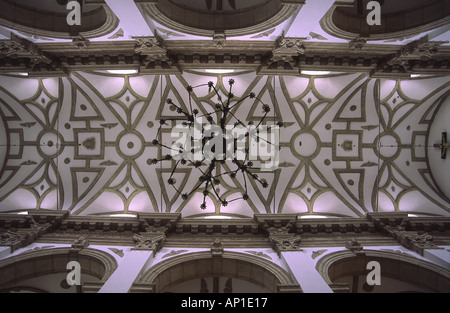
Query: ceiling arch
pixel 399 270
pixel 256 270
pixel 397 20
pixel 257 16
pixel 48 19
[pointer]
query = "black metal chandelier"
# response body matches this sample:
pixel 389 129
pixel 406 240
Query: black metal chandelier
pixel 224 149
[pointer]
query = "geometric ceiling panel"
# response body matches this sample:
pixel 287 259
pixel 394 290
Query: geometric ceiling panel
pixel 348 145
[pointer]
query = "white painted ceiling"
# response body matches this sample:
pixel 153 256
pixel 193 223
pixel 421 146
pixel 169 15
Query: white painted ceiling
pixel 83 143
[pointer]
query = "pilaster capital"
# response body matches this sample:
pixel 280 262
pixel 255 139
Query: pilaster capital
pixel 283 241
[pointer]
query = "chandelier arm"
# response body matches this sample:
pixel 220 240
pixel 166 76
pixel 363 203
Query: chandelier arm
pixel 174 169
pixel 230 94
pixel 190 105
pixel 225 173
pixel 169 148
pixel 218 96
pixel 176 189
pixel 258 138
pixel 195 165
pixel 202 85
pixel 205 194
pixel 179 109
pixel 194 190
pixel 239 121
pixel 209 114
pixel 262 119
pixel 245 183
pixel 239 102
pixel 234 200
pixel 217 195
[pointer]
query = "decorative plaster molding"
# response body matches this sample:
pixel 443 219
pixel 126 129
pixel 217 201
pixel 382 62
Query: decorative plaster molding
pixel 153 242
pixel 217 249
pixel 283 241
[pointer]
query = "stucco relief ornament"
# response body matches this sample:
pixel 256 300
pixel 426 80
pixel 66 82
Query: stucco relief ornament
pixel 149 242
pixel 217 248
pixel 354 246
pixel 17 240
pixel 283 241
pixel 10 48
pixel 80 244
pixel 10 238
pixel 422 240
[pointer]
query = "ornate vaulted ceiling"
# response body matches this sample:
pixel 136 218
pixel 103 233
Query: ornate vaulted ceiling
pixel 359 139
pixel 84 144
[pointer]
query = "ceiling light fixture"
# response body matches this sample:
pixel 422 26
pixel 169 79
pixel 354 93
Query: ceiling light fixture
pixel 313 217
pixel 208 145
pixel 315 73
pixel 218 217
pixel 124 215
pixel 420 76
pixel 219 71
pixel 123 72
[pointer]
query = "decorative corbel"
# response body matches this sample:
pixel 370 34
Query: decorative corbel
pixel 217 249
pixel 414 241
pixel 152 48
pixel 357 44
pixel 354 246
pixel 421 49
pixel 149 242
pixel 219 39
pixel 283 241
pixel 81 42
pixel 283 56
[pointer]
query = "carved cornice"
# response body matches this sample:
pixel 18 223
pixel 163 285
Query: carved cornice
pixel 287 56
pixel 413 234
pixel 284 56
pixel 18 231
pixel 415 56
pixel 19 53
pixel 78 224
pixel 282 232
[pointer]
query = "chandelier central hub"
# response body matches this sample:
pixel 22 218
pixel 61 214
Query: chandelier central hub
pixel 204 142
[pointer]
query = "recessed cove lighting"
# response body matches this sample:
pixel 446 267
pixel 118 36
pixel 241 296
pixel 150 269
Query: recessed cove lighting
pixel 218 217
pixel 420 75
pixel 313 217
pixel 124 215
pixel 19 74
pixel 217 71
pixel 123 72
pixel 316 73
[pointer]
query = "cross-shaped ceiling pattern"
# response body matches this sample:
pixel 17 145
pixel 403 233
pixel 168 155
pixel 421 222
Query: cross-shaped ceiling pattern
pixel 349 144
